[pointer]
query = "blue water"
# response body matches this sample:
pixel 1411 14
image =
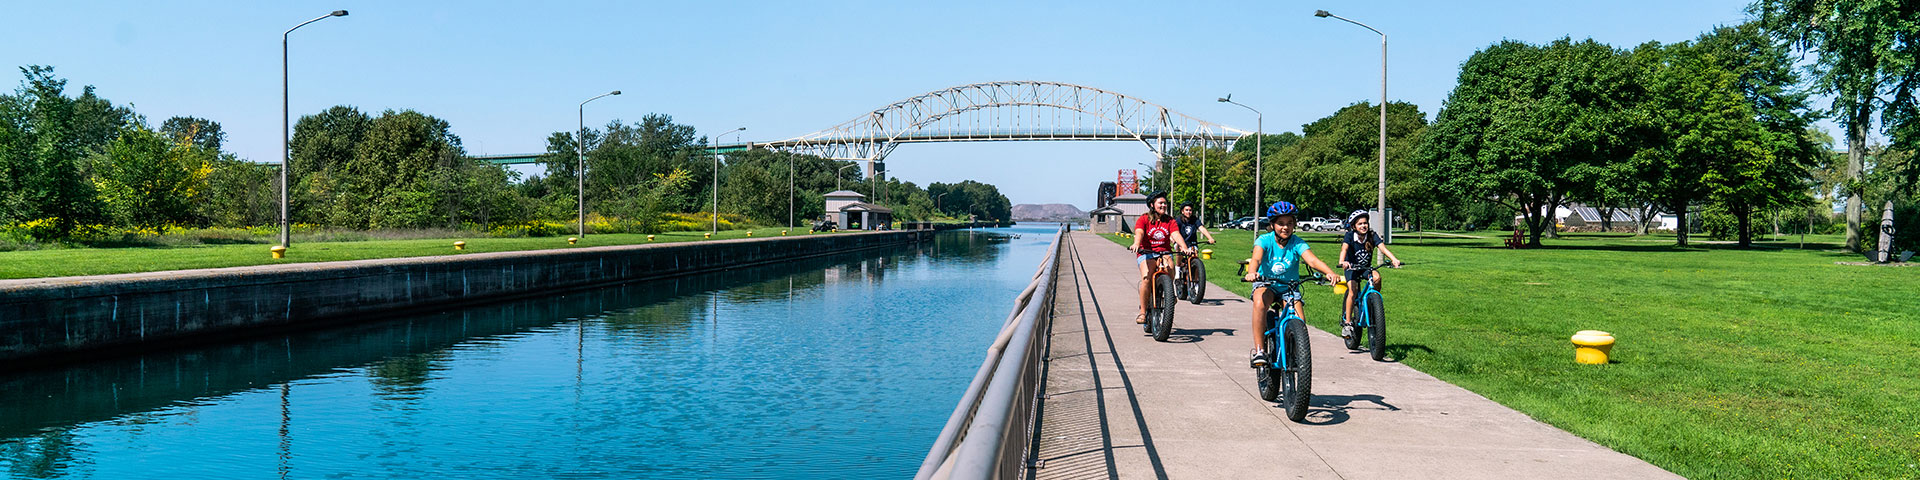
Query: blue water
pixel 839 367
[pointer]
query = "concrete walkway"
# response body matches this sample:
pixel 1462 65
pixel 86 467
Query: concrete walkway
pixel 1119 405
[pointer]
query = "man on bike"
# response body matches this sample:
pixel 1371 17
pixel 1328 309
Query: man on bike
pixel 1276 259
pixel 1190 228
pixel 1356 251
pixel 1155 236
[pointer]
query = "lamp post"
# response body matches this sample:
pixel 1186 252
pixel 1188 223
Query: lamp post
pixel 1203 180
pixel 1259 149
pixel 286 129
pixel 716 176
pixel 1379 216
pixel 836 174
pixel 580 162
pixel 936 201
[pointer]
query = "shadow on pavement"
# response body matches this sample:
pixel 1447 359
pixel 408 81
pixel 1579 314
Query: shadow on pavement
pixel 1333 409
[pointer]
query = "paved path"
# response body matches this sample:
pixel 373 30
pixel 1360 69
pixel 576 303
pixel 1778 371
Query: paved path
pixel 1119 405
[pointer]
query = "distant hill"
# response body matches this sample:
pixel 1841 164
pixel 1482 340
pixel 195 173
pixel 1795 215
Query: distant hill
pixel 1028 212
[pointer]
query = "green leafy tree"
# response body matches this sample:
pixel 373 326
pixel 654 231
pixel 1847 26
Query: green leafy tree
pixel 1527 124
pixel 322 146
pixel 1333 168
pixel 197 131
pixel 406 168
pixel 145 180
pixel 46 139
pixel 1866 51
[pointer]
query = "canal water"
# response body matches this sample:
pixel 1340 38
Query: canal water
pixel 834 367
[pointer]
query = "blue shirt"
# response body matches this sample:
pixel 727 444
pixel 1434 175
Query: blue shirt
pixel 1282 262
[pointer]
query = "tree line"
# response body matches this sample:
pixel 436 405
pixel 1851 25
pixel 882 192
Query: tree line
pixel 1720 126
pixel 72 165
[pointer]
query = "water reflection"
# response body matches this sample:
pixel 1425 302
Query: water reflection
pixel 650 371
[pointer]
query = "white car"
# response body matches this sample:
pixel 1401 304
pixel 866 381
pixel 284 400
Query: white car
pixel 1320 224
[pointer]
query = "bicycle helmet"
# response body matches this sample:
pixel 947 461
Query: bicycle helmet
pixel 1355 217
pixel 1155 195
pixel 1280 208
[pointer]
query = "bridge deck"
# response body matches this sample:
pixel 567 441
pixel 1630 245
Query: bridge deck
pixel 1119 405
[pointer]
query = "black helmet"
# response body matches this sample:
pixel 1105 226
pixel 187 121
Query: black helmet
pixel 1155 195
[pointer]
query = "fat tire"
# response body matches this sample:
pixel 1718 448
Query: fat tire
pixel 1199 292
pixel 1163 323
pixel 1377 334
pixel 1300 356
pixel 1269 376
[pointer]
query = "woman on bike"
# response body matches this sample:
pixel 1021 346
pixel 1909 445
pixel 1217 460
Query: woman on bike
pixel 1356 251
pixel 1155 236
pixel 1276 259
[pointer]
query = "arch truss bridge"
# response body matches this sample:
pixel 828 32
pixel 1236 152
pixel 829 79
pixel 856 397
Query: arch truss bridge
pixel 1010 111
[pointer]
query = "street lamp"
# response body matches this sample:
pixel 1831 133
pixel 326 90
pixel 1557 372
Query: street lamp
pixel 716 176
pixel 836 174
pixel 580 165
pixel 1379 216
pixel 1156 171
pixel 1259 154
pixel 286 129
pixel 936 201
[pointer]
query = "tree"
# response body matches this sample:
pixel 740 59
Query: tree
pixel 1333 167
pixel 1764 76
pixel 199 132
pixel 1527 123
pixel 145 180
pixel 406 168
pixel 1866 51
pixel 46 139
pixel 321 147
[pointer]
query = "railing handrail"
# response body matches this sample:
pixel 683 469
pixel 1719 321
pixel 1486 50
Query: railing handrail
pixel 993 388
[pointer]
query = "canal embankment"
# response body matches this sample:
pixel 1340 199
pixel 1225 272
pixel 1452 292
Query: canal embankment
pixel 49 319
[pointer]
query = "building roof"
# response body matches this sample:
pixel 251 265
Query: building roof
pixel 865 207
pixel 1131 197
pixel 843 193
pixel 1107 210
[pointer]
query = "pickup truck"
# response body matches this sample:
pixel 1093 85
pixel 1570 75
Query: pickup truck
pixel 1320 224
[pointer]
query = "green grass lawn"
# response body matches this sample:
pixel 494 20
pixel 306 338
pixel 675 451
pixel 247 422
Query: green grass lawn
pixel 1764 363
pixel 99 261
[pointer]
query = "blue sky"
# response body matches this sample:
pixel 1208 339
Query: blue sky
pixel 506 75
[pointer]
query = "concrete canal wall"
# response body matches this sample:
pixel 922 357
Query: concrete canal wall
pixel 48 318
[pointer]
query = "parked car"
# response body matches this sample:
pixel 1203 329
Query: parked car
pixel 824 226
pixel 1320 224
pixel 1235 223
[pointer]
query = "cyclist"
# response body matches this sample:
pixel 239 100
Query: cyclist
pixel 1190 228
pixel 1277 256
pixel 1356 250
pixel 1155 236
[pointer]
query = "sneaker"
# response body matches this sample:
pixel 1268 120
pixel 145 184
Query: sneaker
pixel 1346 330
pixel 1257 358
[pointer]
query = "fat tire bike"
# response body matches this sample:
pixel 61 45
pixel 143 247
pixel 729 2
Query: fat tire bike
pixel 1287 376
pixel 1369 316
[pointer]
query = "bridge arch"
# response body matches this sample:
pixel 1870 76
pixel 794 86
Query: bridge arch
pixel 1009 111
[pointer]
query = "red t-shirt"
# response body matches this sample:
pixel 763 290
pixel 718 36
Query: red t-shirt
pixel 1156 237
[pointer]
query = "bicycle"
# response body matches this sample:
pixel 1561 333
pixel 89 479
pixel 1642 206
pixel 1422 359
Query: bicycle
pixel 1190 277
pixel 1369 316
pixel 1164 295
pixel 1288 374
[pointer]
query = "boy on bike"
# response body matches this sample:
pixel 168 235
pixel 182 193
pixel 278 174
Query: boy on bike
pixel 1155 235
pixel 1191 230
pixel 1356 251
pixel 1276 259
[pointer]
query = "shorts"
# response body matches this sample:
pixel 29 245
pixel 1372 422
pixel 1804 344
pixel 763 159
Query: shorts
pixel 1144 257
pixel 1287 296
pixel 1353 275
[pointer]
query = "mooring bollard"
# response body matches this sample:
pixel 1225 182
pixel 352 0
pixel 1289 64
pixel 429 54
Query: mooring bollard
pixel 783 233
pixel 460 245
pixel 749 233
pixel 709 235
pixel 1206 254
pixel 1591 347
pixel 278 251
pixel 649 238
pixel 573 240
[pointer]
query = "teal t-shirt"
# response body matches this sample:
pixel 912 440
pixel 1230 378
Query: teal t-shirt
pixel 1282 262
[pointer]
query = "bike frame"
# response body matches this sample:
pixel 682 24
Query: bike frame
pixel 1360 316
pixel 1279 319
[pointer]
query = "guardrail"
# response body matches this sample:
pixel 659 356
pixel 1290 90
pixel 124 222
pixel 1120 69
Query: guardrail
pixel 987 435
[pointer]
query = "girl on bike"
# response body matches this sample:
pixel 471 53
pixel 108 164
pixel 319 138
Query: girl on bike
pixel 1356 250
pixel 1155 236
pixel 1276 259
pixel 1190 228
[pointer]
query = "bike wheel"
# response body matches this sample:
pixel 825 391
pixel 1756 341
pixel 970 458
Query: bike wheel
pixel 1199 286
pixel 1377 333
pixel 1300 380
pixel 1163 323
pixel 1269 376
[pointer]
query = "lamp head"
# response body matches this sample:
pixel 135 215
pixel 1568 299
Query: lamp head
pixel 339 13
pixel 1321 13
pixel 615 92
pixel 1224 99
pixel 740 129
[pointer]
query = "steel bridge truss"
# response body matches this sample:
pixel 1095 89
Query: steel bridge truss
pixel 1010 111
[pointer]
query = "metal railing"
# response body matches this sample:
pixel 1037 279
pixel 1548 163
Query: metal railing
pixel 988 433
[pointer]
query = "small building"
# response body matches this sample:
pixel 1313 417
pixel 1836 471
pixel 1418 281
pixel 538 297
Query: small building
pixel 1107 219
pixel 849 211
pixel 1131 207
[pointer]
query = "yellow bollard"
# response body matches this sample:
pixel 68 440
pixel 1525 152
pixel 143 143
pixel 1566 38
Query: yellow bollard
pixel 749 233
pixel 1591 347
pixel 278 251
pixel 709 235
pixel 573 240
pixel 1206 254
pixel 783 233
pixel 460 245
pixel 649 238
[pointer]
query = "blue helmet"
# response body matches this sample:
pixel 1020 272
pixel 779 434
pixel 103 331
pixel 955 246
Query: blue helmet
pixel 1280 208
